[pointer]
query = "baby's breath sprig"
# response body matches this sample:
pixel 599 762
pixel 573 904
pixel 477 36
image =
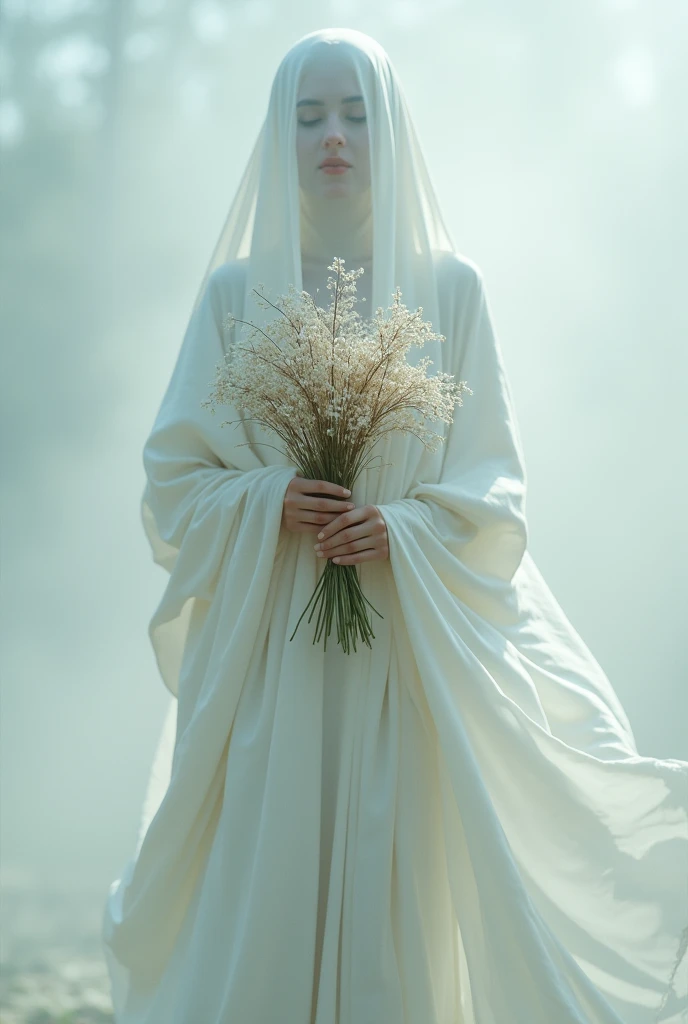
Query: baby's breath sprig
pixel 331 384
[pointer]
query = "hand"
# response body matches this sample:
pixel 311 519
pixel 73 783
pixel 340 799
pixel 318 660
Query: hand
pixel 356 536
pixel 307 505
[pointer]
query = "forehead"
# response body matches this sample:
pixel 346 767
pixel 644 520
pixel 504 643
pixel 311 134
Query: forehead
pixel 329 75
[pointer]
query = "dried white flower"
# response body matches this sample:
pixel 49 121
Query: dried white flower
pixel 313 375
pixel 330 385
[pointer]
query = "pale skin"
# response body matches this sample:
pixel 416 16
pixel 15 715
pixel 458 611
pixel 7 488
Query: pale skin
pixel 359 534
pixel 331 123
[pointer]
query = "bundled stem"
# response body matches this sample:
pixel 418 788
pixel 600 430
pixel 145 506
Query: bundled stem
pixel 338 594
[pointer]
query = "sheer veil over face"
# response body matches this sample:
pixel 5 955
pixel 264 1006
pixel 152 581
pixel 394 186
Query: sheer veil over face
pixel 336 212
pixel 289 218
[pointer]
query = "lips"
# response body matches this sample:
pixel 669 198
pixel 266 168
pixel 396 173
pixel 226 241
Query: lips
pixel 334 163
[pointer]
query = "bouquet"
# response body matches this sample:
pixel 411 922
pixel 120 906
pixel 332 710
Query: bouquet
pixel 330 384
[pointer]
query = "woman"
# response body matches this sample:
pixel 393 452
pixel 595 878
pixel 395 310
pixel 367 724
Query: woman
pixel 453 826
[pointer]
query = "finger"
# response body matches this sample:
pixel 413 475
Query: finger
pixel 348 548
pixel 342 537
pixel 304 484
pixel 314 504
pixel 359 556
pixel 355 515
pixel 315 518
pixel 311 528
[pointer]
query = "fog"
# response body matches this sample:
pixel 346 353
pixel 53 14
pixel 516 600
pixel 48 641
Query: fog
pixel 556 138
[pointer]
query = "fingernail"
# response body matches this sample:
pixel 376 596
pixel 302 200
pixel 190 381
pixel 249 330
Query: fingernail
pixel 350 504
pixel 347 492
pixel 320 536
pixel 317 547
pixel 320 554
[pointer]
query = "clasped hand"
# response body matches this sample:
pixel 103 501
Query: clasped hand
pixel 359 534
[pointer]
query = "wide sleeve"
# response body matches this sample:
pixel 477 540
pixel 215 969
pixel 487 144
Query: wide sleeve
pixel 566 848
pixel 471 524
pixel 205 516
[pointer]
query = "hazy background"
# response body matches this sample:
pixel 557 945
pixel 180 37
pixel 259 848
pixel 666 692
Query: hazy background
pixel 555 133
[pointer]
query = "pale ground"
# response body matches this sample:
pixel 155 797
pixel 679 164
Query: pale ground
pixel 51 966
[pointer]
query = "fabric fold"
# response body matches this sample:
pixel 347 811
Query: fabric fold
pixel 479 735
pixel 216 529
pixel 543 778
pixel 205 518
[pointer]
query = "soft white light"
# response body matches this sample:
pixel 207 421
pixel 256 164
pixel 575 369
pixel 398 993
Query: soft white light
pixel 407 13
pixel 634 75
pixel 209 20
pixel 621 6
pixel 71 57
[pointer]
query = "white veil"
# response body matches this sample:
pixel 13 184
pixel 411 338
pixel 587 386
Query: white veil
pixel 262 229
pixel 262 225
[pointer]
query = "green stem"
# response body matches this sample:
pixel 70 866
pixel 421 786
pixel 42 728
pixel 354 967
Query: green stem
pixel 338 594
pixel 313 597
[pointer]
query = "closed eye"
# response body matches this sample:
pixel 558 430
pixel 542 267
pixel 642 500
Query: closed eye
pixel 317 120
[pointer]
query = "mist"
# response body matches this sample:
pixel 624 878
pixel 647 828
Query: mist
pixel 555 137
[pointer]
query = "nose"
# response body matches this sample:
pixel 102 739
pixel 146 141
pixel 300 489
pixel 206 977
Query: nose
pixel 333 134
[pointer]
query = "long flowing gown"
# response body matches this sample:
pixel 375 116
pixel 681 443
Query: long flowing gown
pixel 452 827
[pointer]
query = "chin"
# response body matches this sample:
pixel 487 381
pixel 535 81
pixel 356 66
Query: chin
pixel 335 190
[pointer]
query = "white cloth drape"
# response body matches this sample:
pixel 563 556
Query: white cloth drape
pixel 452 828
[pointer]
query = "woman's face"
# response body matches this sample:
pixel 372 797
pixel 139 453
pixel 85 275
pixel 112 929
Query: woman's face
pixel 331 126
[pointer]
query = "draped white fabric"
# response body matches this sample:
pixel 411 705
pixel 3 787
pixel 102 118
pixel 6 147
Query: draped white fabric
pixel 454 827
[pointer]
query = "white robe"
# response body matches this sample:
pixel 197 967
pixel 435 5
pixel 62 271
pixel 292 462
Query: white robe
pixel 454 827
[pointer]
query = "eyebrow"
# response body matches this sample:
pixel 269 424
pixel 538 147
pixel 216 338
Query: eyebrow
pixel 319 103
